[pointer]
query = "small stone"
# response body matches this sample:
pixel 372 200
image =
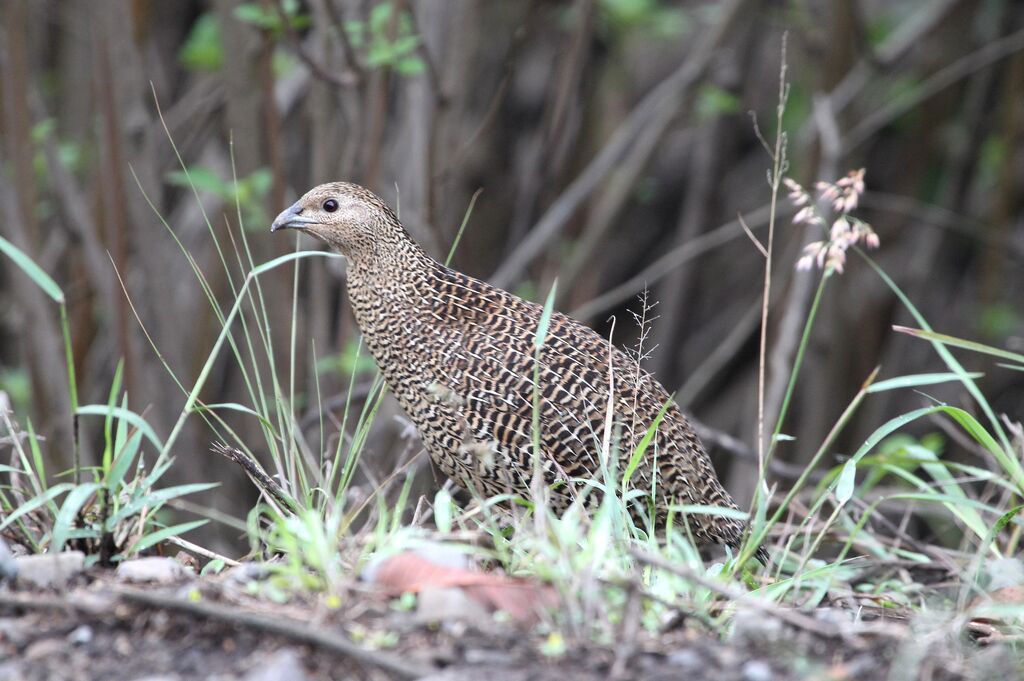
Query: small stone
pixel 81 635
pixel 188 560
pixel 49 570
pixel 686 659
pixel 450 604
pixel 244 573
pixel 153 570
pixel 756 670
pixel 15 631
pixel 284 665
pixel 8 566
pixel 12 671
pixel 753 628
pixel 44 647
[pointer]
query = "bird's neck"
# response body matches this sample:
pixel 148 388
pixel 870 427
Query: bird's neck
pixel 389 281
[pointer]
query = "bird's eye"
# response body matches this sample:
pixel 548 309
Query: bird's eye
pixel 330 205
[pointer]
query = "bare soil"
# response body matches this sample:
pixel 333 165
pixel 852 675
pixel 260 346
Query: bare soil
pixel 209 628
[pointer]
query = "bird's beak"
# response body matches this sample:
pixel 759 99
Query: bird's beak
pixel 291 218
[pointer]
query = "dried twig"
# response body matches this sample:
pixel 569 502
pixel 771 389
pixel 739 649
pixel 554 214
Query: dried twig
pixel 256 473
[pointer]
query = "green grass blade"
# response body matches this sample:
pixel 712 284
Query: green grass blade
pixel 960 343
pixel 123 461
pixel 156 499
pixel 915 380
pixel 462 227
pixel 35 502
pixel 126 415
pixel 154 538
pixel 234 406
pixel 545 317
pixel 644 443
pixel 34 271
pixel 64 522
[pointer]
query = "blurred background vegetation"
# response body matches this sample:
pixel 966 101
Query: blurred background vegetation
pixel 614 146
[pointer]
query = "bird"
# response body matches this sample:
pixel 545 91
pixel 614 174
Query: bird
pixel 460 356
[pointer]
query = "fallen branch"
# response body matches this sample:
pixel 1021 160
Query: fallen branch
pixel 281 626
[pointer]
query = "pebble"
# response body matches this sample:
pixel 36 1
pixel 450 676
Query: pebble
pixel 44 647
pixel 12 670
pixel 81 635
pixel 753 628
pixel 49 570
pixel 8 566
pixel 153 570
pixel 686 659
pixel 756 670
pixel 284 665
pixel 244 573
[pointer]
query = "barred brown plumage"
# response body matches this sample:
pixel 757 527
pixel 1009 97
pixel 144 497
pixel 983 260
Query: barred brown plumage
pixel 459 356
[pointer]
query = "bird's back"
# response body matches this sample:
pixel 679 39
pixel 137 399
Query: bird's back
pixel 459 353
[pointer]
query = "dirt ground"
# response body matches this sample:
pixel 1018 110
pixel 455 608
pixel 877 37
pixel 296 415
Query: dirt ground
pixel 99 627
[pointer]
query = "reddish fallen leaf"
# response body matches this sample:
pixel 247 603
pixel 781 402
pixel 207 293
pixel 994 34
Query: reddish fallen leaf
pixel 522 599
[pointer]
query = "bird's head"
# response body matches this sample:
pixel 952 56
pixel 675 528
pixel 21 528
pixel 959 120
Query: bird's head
pixel 350 218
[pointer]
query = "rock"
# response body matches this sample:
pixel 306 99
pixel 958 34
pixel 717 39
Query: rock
pixel 440 604
pixel 15 631
pixel 752 628
pixel 756 670
pixel 44 647
pixel 687 660
pixel 244 573
pixel 153 570
pixel 12 670
pixel 8 565
pixel 81 635
pixel 49 570
pixel 283 665
pixel 188 560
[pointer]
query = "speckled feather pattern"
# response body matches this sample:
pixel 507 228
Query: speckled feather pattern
pixel 458 354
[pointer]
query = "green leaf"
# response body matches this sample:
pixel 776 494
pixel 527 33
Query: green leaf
pixel 410 66
pixel 35 502
pixel 154 538
pixel 63 523
pixel 443 511
pixel 34 271
pixel 251 13
pixel 203 50
pixel 644 443
pixel 156 499
pixel 201 179
pixel 214 567
pixel 123 461
pixel 844 487
pixel 125 414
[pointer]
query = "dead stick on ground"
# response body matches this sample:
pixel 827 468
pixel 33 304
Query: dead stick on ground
pixel 280 626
